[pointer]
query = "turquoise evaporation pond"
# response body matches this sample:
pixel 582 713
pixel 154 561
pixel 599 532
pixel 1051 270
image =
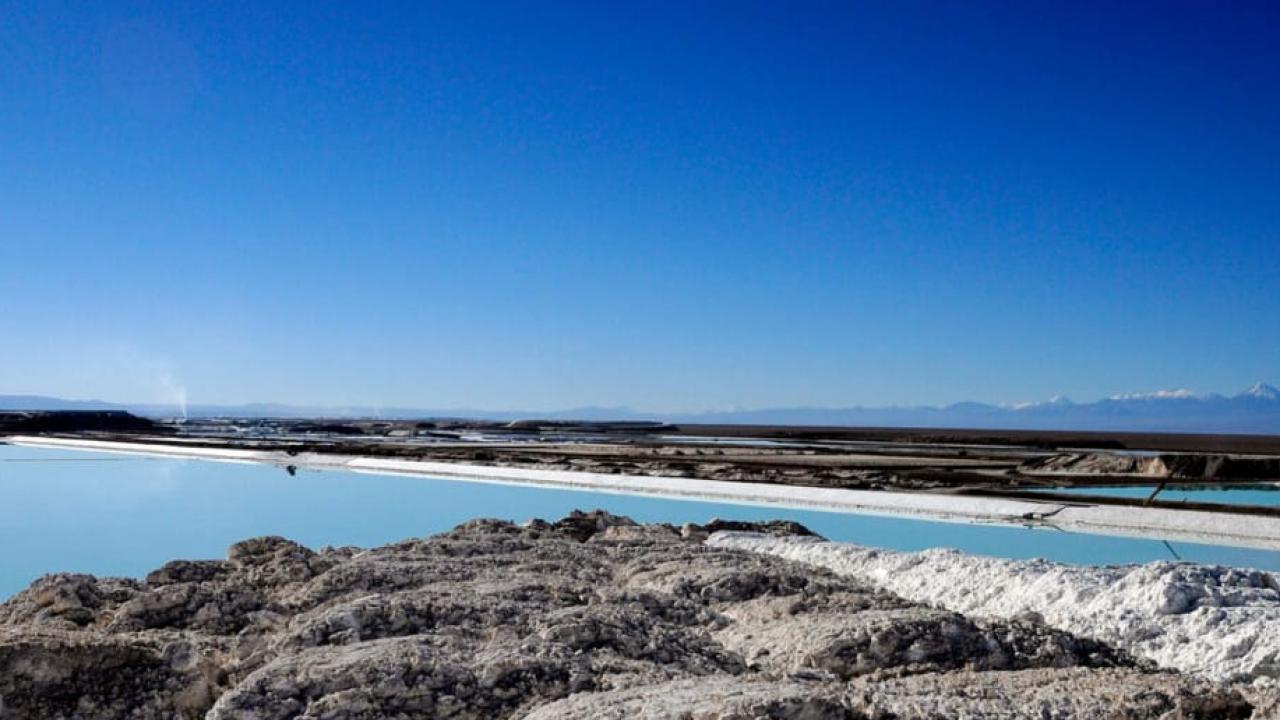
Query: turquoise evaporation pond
pixel 125 515
pixel 1254 495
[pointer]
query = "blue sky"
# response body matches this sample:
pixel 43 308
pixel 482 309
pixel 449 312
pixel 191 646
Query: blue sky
pixel 672 206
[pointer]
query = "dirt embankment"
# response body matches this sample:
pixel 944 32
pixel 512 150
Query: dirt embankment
pixel 592 616
pixel 1173 466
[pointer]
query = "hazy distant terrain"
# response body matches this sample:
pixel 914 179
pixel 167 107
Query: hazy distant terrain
pixel 1256 410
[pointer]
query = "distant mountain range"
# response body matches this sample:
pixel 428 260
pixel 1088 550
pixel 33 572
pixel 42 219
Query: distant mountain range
pixel 1254 411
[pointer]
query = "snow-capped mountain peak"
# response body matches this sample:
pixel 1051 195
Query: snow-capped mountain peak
pixel 1262 391
pixel 1055 401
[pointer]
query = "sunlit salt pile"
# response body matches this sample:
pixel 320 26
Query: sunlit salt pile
pixel 1213 621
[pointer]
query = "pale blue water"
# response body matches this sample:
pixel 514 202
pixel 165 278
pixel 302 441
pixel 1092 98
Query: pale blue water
pixel 124 515
pixel 1223 494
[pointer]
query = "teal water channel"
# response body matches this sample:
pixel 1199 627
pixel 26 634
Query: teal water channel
pixel 109 514
pixel 1252 494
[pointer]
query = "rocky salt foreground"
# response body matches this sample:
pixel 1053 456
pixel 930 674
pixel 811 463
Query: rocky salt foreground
pixel 588 617
pixel 1220 623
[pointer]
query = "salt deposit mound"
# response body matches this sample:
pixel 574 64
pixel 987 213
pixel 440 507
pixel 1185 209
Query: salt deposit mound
pixel 1219 623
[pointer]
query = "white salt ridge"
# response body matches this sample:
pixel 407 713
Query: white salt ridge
pixel 1220 623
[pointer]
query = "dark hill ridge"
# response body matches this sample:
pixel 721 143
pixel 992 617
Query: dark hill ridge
pixel 63 421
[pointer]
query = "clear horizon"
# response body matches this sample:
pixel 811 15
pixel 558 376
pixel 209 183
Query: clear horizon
pixel 696 206
pixel 1172 393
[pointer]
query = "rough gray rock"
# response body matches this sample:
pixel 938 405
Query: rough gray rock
pixel 589 616
pixel 719 698
pixel 1062 693
pixel 1054 694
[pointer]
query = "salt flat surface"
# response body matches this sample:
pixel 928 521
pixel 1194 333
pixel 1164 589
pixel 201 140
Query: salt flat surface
pixel 1220 623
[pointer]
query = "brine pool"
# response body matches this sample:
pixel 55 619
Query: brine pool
pixel 110 514
pixel 1253 494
